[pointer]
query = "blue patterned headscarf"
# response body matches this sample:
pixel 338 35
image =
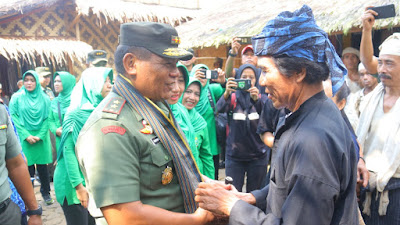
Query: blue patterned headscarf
pixel 297 35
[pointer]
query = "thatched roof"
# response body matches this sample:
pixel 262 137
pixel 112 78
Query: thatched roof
pixel 129 11
pixel 11 7
pixel 57 49
pixel 118 10
pixel 248 17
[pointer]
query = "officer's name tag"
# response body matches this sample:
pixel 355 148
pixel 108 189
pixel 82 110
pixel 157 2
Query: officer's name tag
pixel 113 129
pixel 155 140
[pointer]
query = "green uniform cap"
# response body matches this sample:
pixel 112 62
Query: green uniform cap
pixel 159 38
pixel 43 71
pixel 97 56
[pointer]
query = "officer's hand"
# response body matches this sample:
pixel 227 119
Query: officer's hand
pixel 203 216
pixel 59 131
pixel 82 195
pixel 215 198
pixel 368 19
pixel 35 220
pixel 254 93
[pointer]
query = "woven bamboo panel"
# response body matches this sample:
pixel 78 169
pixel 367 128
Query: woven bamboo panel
pixel 46 23
pixel 104 36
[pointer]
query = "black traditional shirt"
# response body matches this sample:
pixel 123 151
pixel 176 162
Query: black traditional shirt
pixel 313 177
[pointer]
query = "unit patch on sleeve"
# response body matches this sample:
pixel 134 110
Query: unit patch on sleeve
pixel 113 129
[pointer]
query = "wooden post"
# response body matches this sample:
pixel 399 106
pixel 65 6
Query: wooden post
pixel 78 35
pixel 346 41
pixel 69 64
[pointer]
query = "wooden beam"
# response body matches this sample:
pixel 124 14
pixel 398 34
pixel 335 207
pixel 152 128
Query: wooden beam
pixel 78 35
pixel 76 19
pixel 359 30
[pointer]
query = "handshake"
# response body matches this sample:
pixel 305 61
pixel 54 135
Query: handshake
pixel 219 198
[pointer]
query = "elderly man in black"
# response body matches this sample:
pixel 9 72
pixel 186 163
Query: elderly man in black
pixel 313 176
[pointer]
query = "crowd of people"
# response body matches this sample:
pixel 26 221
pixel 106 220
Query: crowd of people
pixel 316 135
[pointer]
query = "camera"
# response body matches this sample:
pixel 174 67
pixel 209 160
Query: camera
pixel 243 84
pixel 210 74
pixel 244 40
pixel 384 11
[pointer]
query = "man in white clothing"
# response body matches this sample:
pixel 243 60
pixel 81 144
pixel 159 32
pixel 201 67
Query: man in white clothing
pixel 379 128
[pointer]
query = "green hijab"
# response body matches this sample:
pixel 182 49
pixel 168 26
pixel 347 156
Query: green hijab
pixel 32 107
pixel 84 99
pixel 64 97
pixel 198 122
pixel 204 102
pixel 181 114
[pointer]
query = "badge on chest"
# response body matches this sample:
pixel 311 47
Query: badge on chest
pixel 167 176
pixel 147 129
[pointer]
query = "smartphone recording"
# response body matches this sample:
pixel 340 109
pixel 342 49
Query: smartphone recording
pixel 210 74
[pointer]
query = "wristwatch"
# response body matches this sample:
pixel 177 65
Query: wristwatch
pixel 231 54
pixel 37 211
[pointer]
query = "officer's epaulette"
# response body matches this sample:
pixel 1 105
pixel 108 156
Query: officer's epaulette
pixel 114 105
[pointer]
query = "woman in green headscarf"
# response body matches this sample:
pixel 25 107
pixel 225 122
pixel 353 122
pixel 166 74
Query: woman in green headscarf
pixel 215 91
pixel 64 82
pixel 179 111
pixel 189 99
pixel 69 183
pixel 29 109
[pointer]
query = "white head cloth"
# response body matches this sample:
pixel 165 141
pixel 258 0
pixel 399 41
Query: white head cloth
pixel 391 46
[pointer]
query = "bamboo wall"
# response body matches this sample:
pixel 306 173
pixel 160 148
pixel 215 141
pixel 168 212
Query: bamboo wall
pixel 97 33
pixel 58 21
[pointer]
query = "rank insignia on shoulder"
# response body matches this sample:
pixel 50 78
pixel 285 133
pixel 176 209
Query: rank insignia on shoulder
pixel 4 126
pixel 146 128
pixel 113 129
pixel 114 105
pixel 167 176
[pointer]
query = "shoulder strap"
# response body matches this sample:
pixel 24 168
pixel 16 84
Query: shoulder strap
pixel 210 99
pixel 59 112
pixel 114 105
pixel 233 101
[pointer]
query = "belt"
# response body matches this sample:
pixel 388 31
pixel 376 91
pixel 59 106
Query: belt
pixel 4 204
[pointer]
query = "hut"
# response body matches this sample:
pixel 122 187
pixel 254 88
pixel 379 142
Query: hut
pixel 210 34
pixel 60 33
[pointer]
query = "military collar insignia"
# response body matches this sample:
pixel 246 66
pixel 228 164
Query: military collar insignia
pixel 146 128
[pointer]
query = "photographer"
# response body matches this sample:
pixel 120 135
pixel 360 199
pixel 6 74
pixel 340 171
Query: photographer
pixel 245 152
pixel 207 104
pixel 247 57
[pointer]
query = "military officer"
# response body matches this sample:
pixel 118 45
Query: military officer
pixel 97 58
pixel 44 78
pixel 135 159
pixel 12 164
